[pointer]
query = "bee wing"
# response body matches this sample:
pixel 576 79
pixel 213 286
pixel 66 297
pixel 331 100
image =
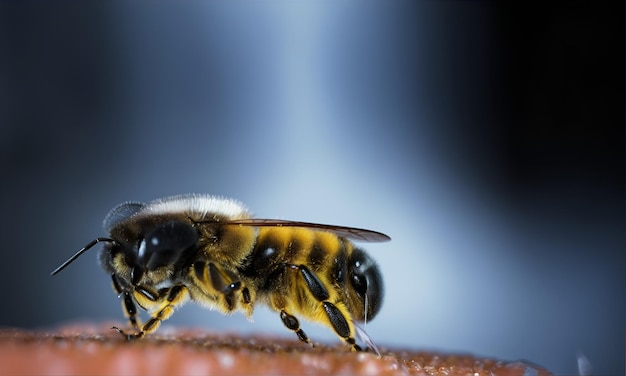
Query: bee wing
pixel 342 231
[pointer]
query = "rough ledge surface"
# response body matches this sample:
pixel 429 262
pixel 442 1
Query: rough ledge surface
pixel 88 350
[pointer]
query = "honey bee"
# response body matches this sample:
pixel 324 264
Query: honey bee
pixel 210 250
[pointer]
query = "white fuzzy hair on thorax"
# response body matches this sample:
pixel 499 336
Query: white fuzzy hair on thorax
pixel 198 203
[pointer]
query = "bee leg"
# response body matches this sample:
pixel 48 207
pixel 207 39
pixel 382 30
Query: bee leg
pixel 278 303
pixel 128 305
pixel 232 292
pixel 340 324
pixel 335 316
pixel 164 305
pixel 226 282
pixel 292 323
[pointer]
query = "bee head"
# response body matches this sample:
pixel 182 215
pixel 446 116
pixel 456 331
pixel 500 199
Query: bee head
pixel 367 282
pixel 162 246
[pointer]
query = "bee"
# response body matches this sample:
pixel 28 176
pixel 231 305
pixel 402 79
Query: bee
pixel 210 250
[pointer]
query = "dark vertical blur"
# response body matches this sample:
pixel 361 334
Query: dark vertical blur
pixel 486 138
pixel 563 80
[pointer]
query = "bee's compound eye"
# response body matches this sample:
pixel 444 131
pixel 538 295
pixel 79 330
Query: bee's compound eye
pixel 359 282
pixel 165 243
pixel 367 282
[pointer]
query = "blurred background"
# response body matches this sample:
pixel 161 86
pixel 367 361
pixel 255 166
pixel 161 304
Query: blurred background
pixel 486 139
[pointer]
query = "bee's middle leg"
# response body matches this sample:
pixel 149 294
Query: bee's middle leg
pixel 278 302
pixel 231 292
pixel 292 323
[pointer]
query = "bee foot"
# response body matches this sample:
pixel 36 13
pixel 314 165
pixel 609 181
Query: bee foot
pixel 129 337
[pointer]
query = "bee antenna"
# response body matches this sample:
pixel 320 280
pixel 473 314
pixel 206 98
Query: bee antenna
pixel 365 313
pixel 80 252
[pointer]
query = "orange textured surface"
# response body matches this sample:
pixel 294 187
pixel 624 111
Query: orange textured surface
pixel 90 351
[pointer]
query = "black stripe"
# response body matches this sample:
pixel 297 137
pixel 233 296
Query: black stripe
pixel 317 256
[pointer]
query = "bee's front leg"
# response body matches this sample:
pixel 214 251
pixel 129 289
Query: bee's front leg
pixel 128 304
pixel 162 305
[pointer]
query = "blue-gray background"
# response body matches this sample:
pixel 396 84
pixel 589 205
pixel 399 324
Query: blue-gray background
pixel 485 139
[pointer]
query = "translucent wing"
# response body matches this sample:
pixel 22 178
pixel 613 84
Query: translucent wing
pixel 342 231
pixel 122 213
